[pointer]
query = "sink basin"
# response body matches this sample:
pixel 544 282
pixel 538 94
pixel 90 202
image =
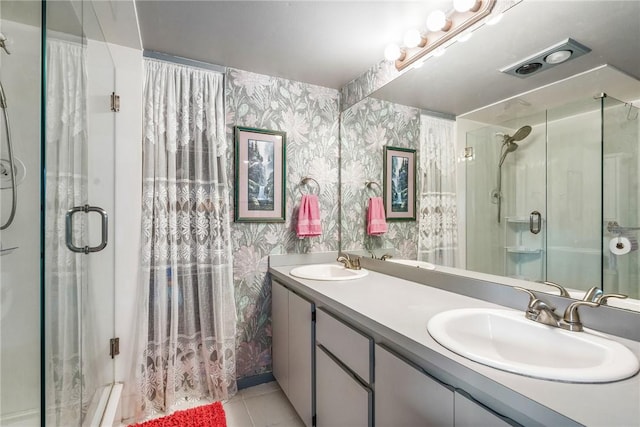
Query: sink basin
pixel 506 340
pixel 413 263
pixel 327 272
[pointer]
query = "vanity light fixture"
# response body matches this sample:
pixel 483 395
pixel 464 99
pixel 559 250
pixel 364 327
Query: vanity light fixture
pixel 413 38
pixel 550 57
pixel 442 27
pixel 438 21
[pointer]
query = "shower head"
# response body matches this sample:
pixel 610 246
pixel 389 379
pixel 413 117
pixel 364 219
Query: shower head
pixel 509 144
pixel 520 134
pixel 3 43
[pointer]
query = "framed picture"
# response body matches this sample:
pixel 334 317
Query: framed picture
pixel 400 183
pixel 260 175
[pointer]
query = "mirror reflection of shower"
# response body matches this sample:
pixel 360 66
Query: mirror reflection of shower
pixel 9 171
pixel 508 146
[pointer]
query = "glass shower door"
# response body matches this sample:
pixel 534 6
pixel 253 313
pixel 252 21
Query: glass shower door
pixel 505 199
pixel 20 240
pixel 620 198
pixel 79 200
pixel 574 152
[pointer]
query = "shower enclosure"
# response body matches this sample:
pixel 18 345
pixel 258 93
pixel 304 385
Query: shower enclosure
pixel 57 311
pixel 567 193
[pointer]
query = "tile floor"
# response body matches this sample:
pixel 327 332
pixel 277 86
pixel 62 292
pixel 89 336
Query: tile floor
pixel 264 405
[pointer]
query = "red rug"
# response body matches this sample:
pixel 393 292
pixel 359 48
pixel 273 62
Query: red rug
pixel 202 416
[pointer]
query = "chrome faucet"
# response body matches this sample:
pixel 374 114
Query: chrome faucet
pixel 593 294
pixel 349 263
pixel 563 291
pixel 602 299
pixel 386 257
pixel 543 312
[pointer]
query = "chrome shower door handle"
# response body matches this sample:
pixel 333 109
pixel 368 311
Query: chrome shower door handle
pixel 535 222
pixel 69 229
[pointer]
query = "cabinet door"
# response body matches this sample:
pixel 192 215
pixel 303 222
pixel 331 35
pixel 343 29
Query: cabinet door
pixel 280 334
pixel 301 357
pixel 468 413
pixel 341 400
pixel 405 396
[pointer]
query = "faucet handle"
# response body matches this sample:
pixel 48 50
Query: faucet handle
pixel 386 257
pixel 594 294
pixel 563 291
pixel 602 299
pixel 532 297
pixel 572 318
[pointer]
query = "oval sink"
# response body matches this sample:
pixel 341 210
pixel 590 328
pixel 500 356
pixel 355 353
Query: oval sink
pixel 327 272
pixel 506 340
pixel 413 263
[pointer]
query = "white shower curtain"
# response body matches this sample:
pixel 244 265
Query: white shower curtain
pixel 68 383
pixel 438 225
pixel 187 325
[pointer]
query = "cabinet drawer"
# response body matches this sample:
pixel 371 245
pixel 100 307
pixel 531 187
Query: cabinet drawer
pixel 350 346
pixel 341 399
pixel 407 397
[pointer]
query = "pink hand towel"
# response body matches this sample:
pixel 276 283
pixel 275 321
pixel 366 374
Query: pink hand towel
pixel 309 224
pixel 376 219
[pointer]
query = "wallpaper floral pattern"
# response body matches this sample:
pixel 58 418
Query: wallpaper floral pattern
pixel 365 129
pixel 371 80
pixel 309 115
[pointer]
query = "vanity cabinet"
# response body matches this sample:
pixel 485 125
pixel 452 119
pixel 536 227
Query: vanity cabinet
pixel 407 396
pixel 344 374
pixel 469 413
pixel 292 348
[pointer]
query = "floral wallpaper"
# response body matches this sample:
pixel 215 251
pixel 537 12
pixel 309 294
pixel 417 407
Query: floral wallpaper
pixel 365 129
pixel 309 115
pixel 371 80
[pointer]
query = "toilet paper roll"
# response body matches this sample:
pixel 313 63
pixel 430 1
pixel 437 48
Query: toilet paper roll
pixel 620 245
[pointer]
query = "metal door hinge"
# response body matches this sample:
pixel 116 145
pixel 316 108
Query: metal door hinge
pixel 115 102
pixel 114 347
pixel 468 152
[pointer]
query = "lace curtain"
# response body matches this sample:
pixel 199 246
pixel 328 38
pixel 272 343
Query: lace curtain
pixel 438 225
pixel 188 322
pixel 68 382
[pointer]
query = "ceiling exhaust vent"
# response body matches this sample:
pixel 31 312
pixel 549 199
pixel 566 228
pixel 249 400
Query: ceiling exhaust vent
pixel 550 57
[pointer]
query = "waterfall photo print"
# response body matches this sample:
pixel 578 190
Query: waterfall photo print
pixel 399 183
pixel 260 171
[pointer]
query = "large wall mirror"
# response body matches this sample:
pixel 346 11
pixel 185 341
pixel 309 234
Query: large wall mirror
pixel 525 177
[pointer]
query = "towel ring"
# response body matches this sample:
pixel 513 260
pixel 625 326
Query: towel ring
pixel 370 184
pixel 304 182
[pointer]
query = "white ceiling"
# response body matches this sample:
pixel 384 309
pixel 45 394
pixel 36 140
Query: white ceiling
pixel 467 76
pixel 329 43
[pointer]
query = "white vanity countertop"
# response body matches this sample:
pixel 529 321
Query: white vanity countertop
pixel 398 310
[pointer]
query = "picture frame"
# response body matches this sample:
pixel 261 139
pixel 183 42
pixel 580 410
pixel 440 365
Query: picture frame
pixel 260 170
pixel 399 183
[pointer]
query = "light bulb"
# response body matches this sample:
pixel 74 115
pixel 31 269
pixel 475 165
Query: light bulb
pixel 466 5
pixel 558 57
pixel 437 21
pixel 412 38
pixel 392 52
